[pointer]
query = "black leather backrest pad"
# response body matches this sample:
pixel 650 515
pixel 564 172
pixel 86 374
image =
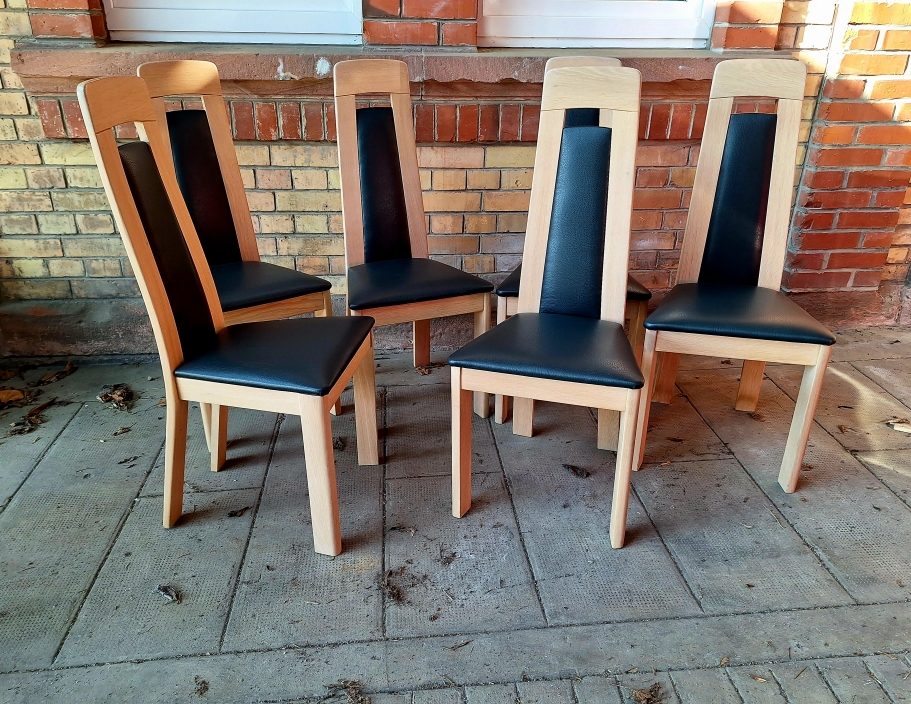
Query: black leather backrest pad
pixel 382 192
pixel 733 247
pixel 575 246
pixel 181 282
pixel 582 117
pixel 202 186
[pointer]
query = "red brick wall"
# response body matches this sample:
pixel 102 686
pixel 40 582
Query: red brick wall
pixel 67 19
pixel 421 22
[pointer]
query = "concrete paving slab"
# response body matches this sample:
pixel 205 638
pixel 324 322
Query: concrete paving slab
pixel 689 362
pixel 124 618
pixel 893 375
pixel 851 682
pixel 492 694
pixel 419 434
pixel 397 369
pixel 893 674
pixel 705 687
pixel 438 696
pixel 597 690
pixel 676 433
pixel 756 684
pixel 872 343
pixel 892 468
pixel 287 593
pixel 565 523
pixel 249 438
pixel 87 381
pixel 840 509
pixel 556 692
pixel 456 575
pixel 384 698
pixel 632 683
pixel 734 549
pixel 851 407
pixel 59 525
pixel 801 682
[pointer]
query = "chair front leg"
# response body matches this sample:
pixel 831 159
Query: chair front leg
pixel 326 310
pixel 802 423
pixel 648 371
pixel 175 458
pixel 523 416
pixel 623 473
pixel 317 431
pixel 461 446
pixel 365 412
pixel 219 437
pixel 750 385
pixel 668 363
pixel 482 325
pixel 500 402
pixel 421 343
pixel 608 429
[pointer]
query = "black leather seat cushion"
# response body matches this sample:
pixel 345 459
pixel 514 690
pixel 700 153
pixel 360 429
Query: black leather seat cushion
pixel 398 281
pixel 553 346
pixel 245 284
pixel 509 288
pixel 737 311
pixel 305 356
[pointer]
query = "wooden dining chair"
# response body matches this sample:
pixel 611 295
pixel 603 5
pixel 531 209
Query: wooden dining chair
pixel 727 301
pixel 390 276
pixel 205 165
pixel 298 367
pixel 566 343
pixel 637 295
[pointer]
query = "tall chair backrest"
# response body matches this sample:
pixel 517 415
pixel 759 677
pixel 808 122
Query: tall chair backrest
pixel 382 204
pixel 582 117
pixel 577 240
pixel 204 159
pixel 737 228
pixel 154 223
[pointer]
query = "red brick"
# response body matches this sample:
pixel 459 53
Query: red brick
pixel 661 155
pixel 867 219
pixel 656 199
pixel 468 123
pixel 313 121
pixel 867 278
pixel 531 114
pixel 898 157
pixel 440 9
pixel 865 39
pixel 878 240
pixel 873 64
pixel 739 12
pixel 885 134
pixel 127 131
pixel 676 219
pixel 509 123
pixel 381 8
pixel 446 123
pixel 856 260
pixel 904 113
pixel 744 37
pixel 699 120
pixel 266 122
pixel 890 199
pixel 72 115
pixel 878 179
pixel 814 221
pixel 51 119
pixel 881 13
pixel 849 157
pixel 58 25
pixel 290 114
pixel 644 112
pixel 680 121
pixel 423 122
pixel 818 281
pixel 646 220
pixel 841 134
pixel 844 88
pixel 64 4
pixel 856 112
pixel 652 178
pixel 490 123
pixel 660 121
pixel 330 121
pixel 460 33
pixel 824 179
pixel 403 33
pixel 897 39
pixel 803 260
pixel 835 200
pixel 787 37
pixel 244 127
pixel 887 90
pixel 766 107
pixel 829 240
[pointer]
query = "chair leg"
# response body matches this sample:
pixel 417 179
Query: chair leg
pixel 326 310
pixel 317 431
pixel 637 317
pixel 482 325
pixel 219 437
pixel 461 446
pixel 623 473
pixel 608 429
pixel 750 385
pixel 500 402
pixel 668 363
pixel 421 343
pixel 175 459
pixel 205 410
pixel 804 410
pixel 523 416
pixel 648 371
pixel 365 412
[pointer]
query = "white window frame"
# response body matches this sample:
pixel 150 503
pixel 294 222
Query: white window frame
pixel 238 21
pixel 596 23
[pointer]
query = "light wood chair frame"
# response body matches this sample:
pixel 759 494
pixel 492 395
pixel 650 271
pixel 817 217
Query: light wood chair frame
pixel 200 79
pixel 635 311
pixel 389 77
pixel 106 103
pixel 783 80
pixel 616 92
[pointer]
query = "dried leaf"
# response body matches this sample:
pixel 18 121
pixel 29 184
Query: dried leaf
pixel 120 396
pixel 758 678
pixel 10 395
pixel 427 368
pixel 652 695
pixel 459 645
pixel 580 472
pixel 239 512
pixel 202 686
pixel 129 459
pixel 843 429
pixel 53 377
pixel 121 431
pixel 339 443
pixel 724 661
pixel 162 402
pixel 676 439
pixel 168 592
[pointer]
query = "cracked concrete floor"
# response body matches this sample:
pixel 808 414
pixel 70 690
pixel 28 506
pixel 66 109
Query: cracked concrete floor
pixel 728 589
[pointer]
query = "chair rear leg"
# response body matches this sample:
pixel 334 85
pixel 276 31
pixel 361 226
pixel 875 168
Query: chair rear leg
pixel 326 310
pixel 500 402
pixel 802 423
pixel 623 473
pixel 461 446
pixel 205 410
pixel 175 458
pixel 668 363
pixel 482 325
pixel 365 412
pixel 608 429
pixel 638 311
pixel 648 371
pixel 750 385
pixel 317 431
pixel 523 416
pixel 219 437
pixel 421 343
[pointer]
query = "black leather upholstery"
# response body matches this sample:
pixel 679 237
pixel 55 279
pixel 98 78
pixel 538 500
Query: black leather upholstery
pixel 575 246
pixel 737 311
pixel 733 246
pixel 182 285
pixel 382 192
pixel 399 281
pixel 245 284
pixel 582 117
pixel 561 347
pixel 305 356
pixel 509 287
pixel 199 177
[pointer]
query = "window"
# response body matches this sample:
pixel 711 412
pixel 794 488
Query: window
pixel 259 22
pixel 596 23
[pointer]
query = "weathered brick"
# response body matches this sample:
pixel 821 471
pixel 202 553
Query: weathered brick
pixel 56 224
pixel 890 90
pixel 34 289
pixel 512 244
pixel 63 268
pixel 884 134
pixel 14 24
pixel 446 224
pixel 440 9
pixel 509 157
pixel 261 202
pixel 252 155
pixel 79 200
pixel 276 224
pixel 449 180
pixel 93 247
pixel 102 267
pixel 310 246
pixel 19 154
pixel 273 178
pixel 18 225
pixel 481 223
pixel 873 64
pixel 483 180
pixel 105 288
pixel 12 179
pixel 312 201
pixel 62 25
pixel 94 224
pixel 453 244
pixel 512 222
pixel 446 123
pixel 478 263
pixel 740 12
pixel 312 265
pixel 451 157
pixel 401 33
pixel 29 248
pixel 516 179
pixel 24 201
pixel 881 13
pixel 303 155
pixel 309 179
pixel 442 201
pixel 762 37
pixel 67 153
pixel 45 178
pixel 83 178
pixel 7 130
